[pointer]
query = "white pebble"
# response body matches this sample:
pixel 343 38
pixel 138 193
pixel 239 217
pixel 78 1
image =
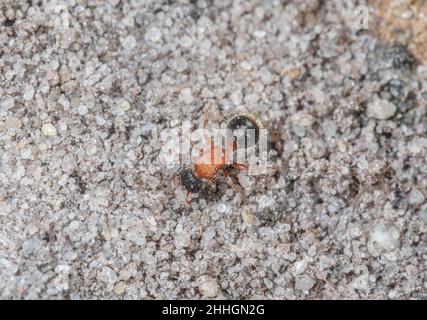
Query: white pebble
pixel 28 92
pixel 300 266
pixel 153 34
pixel 30 246
pixel 49 130
pixel 124 275
pixel 383 238
pixel 222 208
pixel 108 275
pixel 64 73
pixel 259 34
pixel 416 197
pixel 12 122
pixel 265 201
pixel 302 119
pixel 91 150
pixel 208 287
pixel 129 42
pixel 266 76
pixel 186 95
pixel 245 65
pixel 123 105
pixel 68 164
pixel 381 109
pixel 82 110
pixel 186 41
pixel 119 288
pixel 26 153
pixel 100 121
pixel 7 102
pixel 423 214
pixel 304 283
pixel 236 97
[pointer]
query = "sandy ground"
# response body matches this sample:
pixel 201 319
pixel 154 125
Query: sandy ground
pixel 87 209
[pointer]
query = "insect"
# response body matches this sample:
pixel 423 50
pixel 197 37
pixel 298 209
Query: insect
pixel 248 125
pixel 204 171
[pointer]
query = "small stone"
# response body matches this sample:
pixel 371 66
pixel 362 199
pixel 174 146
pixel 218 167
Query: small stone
pixel 302 119
pixel 61 281
pixel 276 95
pixel 32 229
pixel 123 105
pixel 124 275
pixel 68 164
pixel 100 121
pixel 28 93
pixel 26 153
pixel 223 208
pixel 236 97
pixel 423 214
pixel 173 123
pixel 119 288
pixel 64 73
pixel 129 42
pixel 304 283
pixel 248 217
pixel 259 34
pixel 128 21
pixel 12 122
pixel 416 197
pixel 82 110
pixel 266 76
pixel 153 34
pixel 186 41
pixel 108 275
pixel 245 65
pixel 186 95
pixel 381 109
pixel 91 150
pixel 30 246
pixel 49 130
pixel 300 266
pixel 7 102
pixel 42 147
pixel 208 287
pixel 383 238
pixel 251 98
pixel 182 238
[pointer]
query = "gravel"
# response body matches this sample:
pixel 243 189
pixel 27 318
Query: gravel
pixel 381 109
pixel 89 211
